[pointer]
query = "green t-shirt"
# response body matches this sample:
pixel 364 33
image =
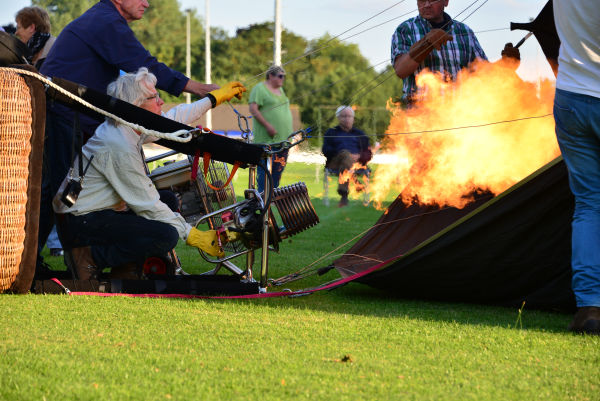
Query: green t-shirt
pixel 275 109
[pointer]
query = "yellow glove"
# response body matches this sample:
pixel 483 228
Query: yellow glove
pixel 227 92
pixel 205 240
pixel 230 236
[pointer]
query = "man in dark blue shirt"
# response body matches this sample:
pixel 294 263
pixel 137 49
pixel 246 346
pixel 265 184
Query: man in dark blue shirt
pixel 343 146
pixel 91 51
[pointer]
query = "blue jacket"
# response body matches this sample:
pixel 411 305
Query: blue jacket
pixel 336 140
pixel 94 47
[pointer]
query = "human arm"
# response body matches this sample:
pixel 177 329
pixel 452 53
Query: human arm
pixel 328 148
pixel 188 113
pixel 407 63
pixel 366 153
pixel 199 89
pixel 254 110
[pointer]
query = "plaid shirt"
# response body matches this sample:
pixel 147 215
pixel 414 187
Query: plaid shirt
pixel 451 58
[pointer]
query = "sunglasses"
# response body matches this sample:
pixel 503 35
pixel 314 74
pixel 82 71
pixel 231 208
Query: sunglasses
pixel 280 76
pixel 156 97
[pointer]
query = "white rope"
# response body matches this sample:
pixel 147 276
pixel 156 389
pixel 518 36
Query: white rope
pixel 177 136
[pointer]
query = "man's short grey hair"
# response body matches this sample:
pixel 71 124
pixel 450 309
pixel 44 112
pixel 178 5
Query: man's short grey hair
pixel 134 87
pixel 342 108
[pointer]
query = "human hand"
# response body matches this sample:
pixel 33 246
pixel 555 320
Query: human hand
pixel 271 130
pixel 230 236
pixel 510 51
pixel 438 38
pixel 207 241
pixel 227 92
pixel 434 39
pixel 198 88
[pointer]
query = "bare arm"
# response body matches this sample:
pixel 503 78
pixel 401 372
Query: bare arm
pixel 404 65
pixel 198 88
pixel 261 119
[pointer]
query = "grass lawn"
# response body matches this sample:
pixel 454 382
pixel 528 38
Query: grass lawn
pixel 353 343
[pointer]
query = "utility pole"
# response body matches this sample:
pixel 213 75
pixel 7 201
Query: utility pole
pixel 277 34
pixel 188 53
pixel 207 72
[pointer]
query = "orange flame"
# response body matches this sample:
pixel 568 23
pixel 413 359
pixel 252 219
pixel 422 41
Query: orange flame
pixel 445 167
pixel 357 178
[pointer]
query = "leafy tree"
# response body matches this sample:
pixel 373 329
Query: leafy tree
pixel 63 11
pixel 321 74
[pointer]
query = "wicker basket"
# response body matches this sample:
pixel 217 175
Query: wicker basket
pixel 16 119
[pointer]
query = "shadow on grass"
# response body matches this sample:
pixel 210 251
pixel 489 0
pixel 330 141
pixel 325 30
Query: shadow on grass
pixel 361 300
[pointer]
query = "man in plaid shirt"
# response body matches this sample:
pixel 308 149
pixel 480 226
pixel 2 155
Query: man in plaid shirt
pixel 435 41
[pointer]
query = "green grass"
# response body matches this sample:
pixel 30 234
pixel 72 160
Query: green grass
pixel 354 343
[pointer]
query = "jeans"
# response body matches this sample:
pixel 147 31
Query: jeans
pixel 277 167
pixel 577 120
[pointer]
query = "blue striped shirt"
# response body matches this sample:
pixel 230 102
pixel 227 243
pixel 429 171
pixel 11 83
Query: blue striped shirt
pixel 449 60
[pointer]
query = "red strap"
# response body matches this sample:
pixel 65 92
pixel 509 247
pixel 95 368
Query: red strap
pixel 206 162
pixel 329 286
pixel 233 170
pixel 194 172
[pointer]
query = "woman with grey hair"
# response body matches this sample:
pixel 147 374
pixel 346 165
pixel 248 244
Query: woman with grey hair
pixel 270 108
pixel 119 220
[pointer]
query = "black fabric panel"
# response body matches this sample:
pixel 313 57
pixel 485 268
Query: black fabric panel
pixel 187 285
pixel 544 30
pixel 221 148
pixel 515 248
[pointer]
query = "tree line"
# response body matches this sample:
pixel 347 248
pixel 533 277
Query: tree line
pixel 336 73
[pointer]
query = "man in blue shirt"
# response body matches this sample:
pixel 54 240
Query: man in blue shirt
pixel 343 146
pixel 91 51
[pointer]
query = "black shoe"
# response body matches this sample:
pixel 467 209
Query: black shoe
pixel 586 320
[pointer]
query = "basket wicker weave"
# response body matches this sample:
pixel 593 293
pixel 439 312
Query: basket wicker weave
pixel 15 148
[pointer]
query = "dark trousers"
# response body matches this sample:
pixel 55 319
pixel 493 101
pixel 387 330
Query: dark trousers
pixel 341 162
pixel 117 238
pixel 58 144
pixel 277 167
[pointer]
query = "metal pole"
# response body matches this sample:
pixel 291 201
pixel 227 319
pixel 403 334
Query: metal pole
pixel 207 72
pixel 250 254
pixel 277 34
pixel 188 53
pixel 264 263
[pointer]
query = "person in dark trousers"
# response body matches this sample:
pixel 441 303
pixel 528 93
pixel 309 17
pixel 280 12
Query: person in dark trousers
pixel 91 51
pixel 343 146
pixel 577 117
pixel 272 121
pixel 119 218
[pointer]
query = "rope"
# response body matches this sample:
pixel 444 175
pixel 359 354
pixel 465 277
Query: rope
pixel 177 136
pixel 454 128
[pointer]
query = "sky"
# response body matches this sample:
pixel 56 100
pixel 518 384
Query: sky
pixel 313 18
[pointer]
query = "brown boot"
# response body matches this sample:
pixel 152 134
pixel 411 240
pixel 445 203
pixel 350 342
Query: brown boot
pixel 80 261
pixel 586 320
pixel 127 271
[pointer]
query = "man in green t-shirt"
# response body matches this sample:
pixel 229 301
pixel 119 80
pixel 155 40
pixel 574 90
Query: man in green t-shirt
pixel 270 108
